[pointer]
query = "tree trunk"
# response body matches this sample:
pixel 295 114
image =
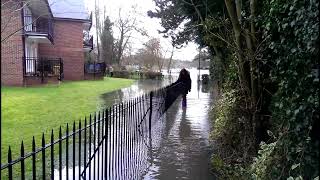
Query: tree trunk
pixel 253 5
pixel 260 129
pixel 120 48
pixel 97 28
pixel 253 70
pixel 223 66
pixel 239 7
pixel 243 64
pixel 170 60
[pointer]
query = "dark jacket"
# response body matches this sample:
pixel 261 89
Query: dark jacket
pixel 184 77
pixel 172 91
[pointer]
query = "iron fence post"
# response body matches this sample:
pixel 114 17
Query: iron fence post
pixel 34 175
pixel 90 122
pixel 106 144
pixel 150 114
pixel 43 150
pixel 52 155
pixel 22 162
pixel 80 150
pixel 94 145
pixel 85 148
pixel 60 154
pixel 9 162
pixel 67 152
pixel 98 141
pixel 73 150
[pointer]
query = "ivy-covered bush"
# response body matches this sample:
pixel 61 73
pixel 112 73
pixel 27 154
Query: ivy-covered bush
pixel 292 29
pixel 233 141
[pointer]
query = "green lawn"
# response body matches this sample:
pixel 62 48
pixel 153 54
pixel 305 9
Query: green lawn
pixel 27 112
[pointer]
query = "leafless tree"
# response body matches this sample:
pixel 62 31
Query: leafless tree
pixel 170 59
pixel 151 54
pixel 126 25
pixel 98 26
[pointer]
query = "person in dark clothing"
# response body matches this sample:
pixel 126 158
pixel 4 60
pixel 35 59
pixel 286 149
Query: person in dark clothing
pixel 184 77
pixel 173 91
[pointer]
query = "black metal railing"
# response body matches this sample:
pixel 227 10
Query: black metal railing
pixel 38 26
pixel 43 67
pixel 115 143
pixel 88 42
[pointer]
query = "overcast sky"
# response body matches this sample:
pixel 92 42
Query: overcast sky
pixel 151 25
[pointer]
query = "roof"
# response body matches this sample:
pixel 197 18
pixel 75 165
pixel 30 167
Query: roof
pixel 69 9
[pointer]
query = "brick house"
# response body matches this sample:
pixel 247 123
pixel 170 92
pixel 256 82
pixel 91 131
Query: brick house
pixel 50 42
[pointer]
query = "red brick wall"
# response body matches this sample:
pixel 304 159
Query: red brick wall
pixel 12 48
pixel 68 44
pixel 36 81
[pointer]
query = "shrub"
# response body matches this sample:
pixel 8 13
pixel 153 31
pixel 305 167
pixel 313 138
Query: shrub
pixel 293 49
pixel 121 74
pixel 232 141
pixel 152 75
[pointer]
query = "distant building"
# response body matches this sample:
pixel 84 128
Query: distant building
pixel 50 43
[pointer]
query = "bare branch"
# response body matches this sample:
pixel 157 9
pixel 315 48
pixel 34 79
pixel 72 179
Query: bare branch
pixel 13 11
pixel 126 25
pixel 13 33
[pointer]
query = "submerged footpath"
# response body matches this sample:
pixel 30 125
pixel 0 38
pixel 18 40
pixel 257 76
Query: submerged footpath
pixel 183 150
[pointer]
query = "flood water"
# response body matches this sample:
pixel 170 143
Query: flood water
pixel 181 150
pixel 180 138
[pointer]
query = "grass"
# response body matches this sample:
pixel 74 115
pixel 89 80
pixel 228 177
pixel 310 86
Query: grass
pixel 27 112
